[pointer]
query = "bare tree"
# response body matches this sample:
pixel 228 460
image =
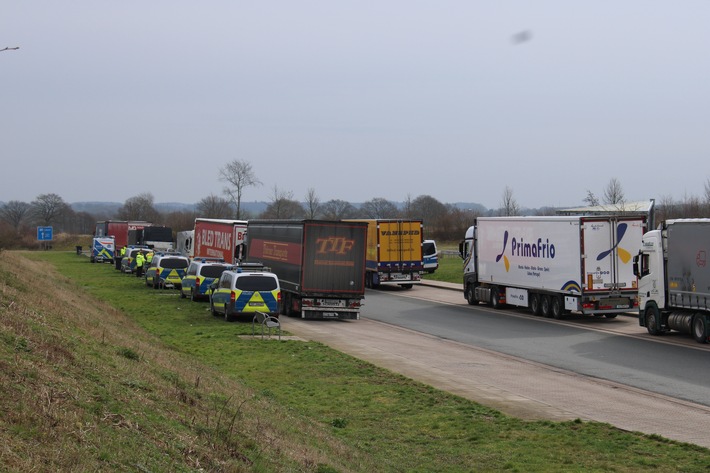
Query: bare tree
pixel 666 208
pixel 379 208
pixel 282 205
pixel 14 213
pixel 214 206
pixel 591 199
pixel 408 211
pixel 239 175
pixel 47 208
pixel 139 207
pixel 338 209
pixel 509 206
pixel 614 194
pixel 312 204
pixel 428 209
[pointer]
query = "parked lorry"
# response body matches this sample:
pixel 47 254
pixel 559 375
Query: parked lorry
pixel 102 250
pixel 158 237
pixel 394 252
pixel 118 229
pixel 553 265
pixel 674 278
pixel 220 238
pixel 320 264
pixel 183 243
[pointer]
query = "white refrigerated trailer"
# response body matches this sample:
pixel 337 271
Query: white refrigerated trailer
pixel 553 265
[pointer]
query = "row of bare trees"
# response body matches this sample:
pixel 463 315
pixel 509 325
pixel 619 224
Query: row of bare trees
pixel 442 221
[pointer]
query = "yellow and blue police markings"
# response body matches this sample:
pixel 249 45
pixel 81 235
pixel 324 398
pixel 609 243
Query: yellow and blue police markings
pixel 191 288
pixel 236 302
pixel 156 276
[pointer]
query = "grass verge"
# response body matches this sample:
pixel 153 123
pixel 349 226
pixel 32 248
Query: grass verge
pixel 147 379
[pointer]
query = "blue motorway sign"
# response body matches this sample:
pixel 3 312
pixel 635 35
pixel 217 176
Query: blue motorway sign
pixel 44 233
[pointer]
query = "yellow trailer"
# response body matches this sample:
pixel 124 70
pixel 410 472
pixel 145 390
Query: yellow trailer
pixel 394 252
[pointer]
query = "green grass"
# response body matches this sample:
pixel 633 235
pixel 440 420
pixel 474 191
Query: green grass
pixel 450 270
pixel 390 421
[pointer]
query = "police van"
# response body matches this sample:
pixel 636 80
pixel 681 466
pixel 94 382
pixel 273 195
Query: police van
pixel 200 275
pixel 239 292
pixel 166 270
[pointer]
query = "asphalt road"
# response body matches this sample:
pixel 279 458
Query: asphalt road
pixel 530 367
pixel 591 346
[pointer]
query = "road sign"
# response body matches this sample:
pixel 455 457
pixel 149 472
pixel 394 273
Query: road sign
pixel 44 233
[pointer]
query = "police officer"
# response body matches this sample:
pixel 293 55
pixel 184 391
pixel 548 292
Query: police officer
pixel 140 260
pixel 120 256
pixel 149 258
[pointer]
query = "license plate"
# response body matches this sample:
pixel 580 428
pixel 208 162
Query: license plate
pixel 330 302
pixel 256 304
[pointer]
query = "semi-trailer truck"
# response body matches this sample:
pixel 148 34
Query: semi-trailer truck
pixel 394 252
pixel 674 278
pixel 320 264
pixel 219 239
pixel 553 265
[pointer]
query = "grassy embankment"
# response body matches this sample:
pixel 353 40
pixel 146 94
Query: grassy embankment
pixel 98 372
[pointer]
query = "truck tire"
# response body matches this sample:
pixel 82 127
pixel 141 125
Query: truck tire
pixel 700 329
pixel 535 304
pixel 495 299
pixel 556 308
pixel 610 316
pixel 469 295
pixel 652 317
pixel 375 280
pixel 545 308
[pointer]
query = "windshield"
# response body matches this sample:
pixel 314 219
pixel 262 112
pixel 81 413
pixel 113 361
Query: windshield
pixel 256 283
pixel 212 271
pixel 173 263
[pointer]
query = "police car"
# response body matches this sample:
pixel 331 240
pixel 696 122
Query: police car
pixel 240 292
pixel 200 275
pixel 128 262
pixel 166 270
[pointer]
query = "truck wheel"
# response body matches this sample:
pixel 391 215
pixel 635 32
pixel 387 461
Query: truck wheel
pixel 495 299
pixel 556 308
pixel 227 314
pixel 375 281
pixel 545 308
pixel 652 317
pixel 406 286
pixel 469 295
pixel 610 316
pixel 535 304
pixel 699 329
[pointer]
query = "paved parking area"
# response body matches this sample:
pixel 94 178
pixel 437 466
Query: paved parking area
pixel 514 386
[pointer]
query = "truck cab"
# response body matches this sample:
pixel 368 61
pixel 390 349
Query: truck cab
pixel 649 269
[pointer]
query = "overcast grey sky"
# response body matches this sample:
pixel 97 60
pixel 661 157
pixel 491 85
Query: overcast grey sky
pixel 356 99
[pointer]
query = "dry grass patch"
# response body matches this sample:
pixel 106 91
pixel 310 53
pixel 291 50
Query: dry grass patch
pixel 84 388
